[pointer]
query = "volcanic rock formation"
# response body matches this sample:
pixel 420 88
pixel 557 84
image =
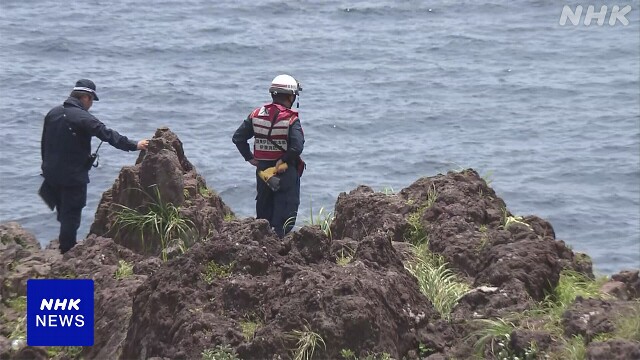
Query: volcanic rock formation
pixel 231 287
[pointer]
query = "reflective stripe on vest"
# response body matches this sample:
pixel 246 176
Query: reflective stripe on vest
pixel 263 149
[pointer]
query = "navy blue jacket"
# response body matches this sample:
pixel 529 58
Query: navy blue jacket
pixel 66 143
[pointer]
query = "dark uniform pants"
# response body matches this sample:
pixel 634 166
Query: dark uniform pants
pixel 280 208
pixel 69 203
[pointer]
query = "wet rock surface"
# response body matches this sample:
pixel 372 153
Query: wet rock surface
pixel 234 283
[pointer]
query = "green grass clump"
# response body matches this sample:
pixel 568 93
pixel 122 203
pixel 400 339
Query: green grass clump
pixel 215 271
pixel 322 219
pixel 250 326
pixel 572 349
pixel 19 331
pixel 416 234
pixel 376 356
pixel 571 285
pixel 345 257
pixel 438 283
pixel 387 190
pixel 70 351
pixel 124 270
pixel 205 191
pixel 628 324
pixel 220 352
pixel 306 343
pixel 493 332
pixel 229 217
pixel 160 218
pixel 18 303
pixel 547 317
pixel 484 239
pixel 348 354
pixel 432 196
pixel 508 220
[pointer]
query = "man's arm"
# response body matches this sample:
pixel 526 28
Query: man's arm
pixel 296 142
pixel 96 128
pixel 240 137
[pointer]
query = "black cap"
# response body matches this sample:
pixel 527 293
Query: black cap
pixel 86 85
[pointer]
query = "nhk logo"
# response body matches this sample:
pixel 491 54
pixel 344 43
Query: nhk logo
pixel 53 320
pixel 616 14
pixel 60 312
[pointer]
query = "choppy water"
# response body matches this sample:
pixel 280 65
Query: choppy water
pixel 393 90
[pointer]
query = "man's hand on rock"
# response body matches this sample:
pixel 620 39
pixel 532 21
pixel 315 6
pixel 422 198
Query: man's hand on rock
pixel 143 144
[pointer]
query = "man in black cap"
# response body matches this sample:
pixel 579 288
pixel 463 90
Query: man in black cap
pixel 66 156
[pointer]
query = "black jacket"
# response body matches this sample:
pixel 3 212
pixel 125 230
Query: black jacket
pixel 66 143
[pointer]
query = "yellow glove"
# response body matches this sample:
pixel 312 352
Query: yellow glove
pixel 281 167
pixel 267 173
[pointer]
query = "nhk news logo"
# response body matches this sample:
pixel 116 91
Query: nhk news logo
pixel 60 312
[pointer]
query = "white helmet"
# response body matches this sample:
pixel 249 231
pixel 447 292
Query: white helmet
pixel 285 84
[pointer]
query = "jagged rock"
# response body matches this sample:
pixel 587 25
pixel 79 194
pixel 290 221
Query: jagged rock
pixel 616 289
pixel 376 252
pixel 522 340
pixel 512 298
pixel 162 174
pixel 99 258
pixel 631 282
pixel 364 211
pixel 181 310
pixel 20 259
pixel 590 317
pixel 12 233
pixel 616 349
pixel 239 271
pixel 31 353
pixel 466 224
pixel 311 243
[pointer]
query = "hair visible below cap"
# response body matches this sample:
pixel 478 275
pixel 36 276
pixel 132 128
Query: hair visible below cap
pixel 88 86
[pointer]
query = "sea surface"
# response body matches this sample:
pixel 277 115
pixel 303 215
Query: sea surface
pixel 393 91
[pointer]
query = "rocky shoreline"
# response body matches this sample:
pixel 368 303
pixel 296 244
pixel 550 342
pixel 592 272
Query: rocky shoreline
pixel 439 270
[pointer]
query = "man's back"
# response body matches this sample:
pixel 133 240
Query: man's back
pixel 66 146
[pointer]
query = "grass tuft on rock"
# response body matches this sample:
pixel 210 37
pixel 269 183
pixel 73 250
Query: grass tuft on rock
pixel 345 257
pixel 214 271
pixel 161 218
pixel 306 343
pixel 438 283
pixel 220 352
pixel 124 270
pixel 249 326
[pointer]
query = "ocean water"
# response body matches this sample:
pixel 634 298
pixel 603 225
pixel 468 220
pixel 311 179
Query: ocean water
pixel 393 91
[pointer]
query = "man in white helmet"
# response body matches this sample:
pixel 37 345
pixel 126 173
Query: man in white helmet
pixel 279 140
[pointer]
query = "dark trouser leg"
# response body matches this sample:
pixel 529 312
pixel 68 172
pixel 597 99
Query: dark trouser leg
pixel 264 200
pixel 73 199
pixel 285 205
